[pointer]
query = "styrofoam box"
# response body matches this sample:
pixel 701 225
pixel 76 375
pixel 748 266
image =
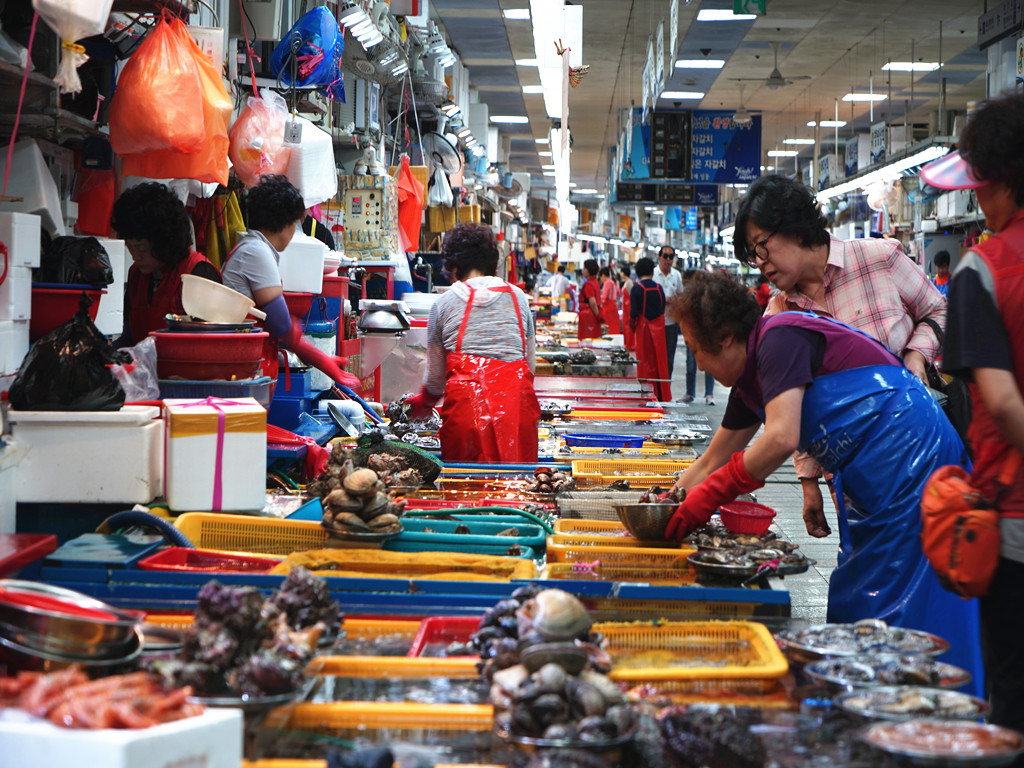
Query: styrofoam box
pixel 210 740
pixel 110 316
pixel 109 457
pixel 16 294
pixel 302 264
pixel 192 455
pixel 13 345
pixel 20 233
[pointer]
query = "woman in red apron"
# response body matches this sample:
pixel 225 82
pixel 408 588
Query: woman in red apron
pixel 155 227
pixel 490 410
pixel 589 311
pixel 651 354
pixel 628 338
pixel 610 301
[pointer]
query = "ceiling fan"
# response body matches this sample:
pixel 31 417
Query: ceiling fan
pixel 775 79
pixel 742 118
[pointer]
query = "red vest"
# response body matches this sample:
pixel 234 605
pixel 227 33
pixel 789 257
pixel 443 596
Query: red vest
pixel 1004 255
pixel 147 313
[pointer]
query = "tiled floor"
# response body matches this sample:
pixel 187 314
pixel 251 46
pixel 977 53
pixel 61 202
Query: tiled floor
pixel 782 492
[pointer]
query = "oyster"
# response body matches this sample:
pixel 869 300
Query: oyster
pixel 361 482
pixel 340 500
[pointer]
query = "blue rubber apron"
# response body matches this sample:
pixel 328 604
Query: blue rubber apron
pixel 882 435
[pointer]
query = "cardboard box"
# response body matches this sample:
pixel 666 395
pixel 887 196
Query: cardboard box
pixel 210 740
pixel 84 457
pixel 216 454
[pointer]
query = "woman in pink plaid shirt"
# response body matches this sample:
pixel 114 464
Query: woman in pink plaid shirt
pixel 869 284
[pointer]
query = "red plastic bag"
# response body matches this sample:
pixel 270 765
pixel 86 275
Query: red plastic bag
pixel 257 139
pixel 410 207
pixel 158 104
pixel 210 164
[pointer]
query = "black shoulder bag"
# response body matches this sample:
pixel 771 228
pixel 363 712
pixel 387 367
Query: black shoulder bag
pixel 957 405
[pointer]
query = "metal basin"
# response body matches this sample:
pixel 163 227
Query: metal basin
pixel 19 658
pixel 83 627
pixel 646 522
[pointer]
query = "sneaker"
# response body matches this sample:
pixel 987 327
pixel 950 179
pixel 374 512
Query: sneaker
pixel 709 400
pixel 686 399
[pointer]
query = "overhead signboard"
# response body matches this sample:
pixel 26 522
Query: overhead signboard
pixel 659 61
pixel 706 195
pixel 670 142
pixel 723 152
pixel 691 219
pixel 636 164
pixel 1001 21
pixel 654 194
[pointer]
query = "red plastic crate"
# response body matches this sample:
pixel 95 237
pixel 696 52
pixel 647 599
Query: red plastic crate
pixel 20 549
pixel 201 560
pixel 444 629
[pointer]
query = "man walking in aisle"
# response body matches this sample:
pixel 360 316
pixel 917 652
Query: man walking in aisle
pixel 671 283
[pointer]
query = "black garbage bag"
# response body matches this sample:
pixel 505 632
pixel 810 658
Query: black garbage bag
pixel 66 370
pixel 80 260
pixel 372 757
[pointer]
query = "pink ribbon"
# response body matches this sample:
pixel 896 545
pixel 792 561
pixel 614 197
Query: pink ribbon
pixel 218 465
pixel 588 569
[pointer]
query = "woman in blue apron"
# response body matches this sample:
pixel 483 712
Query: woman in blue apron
pixel 838 394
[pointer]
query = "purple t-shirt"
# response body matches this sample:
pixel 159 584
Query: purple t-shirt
pixel 790 350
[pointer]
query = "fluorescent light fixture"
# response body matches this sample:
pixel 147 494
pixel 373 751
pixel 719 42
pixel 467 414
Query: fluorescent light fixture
pixel 767 168
pixel 727 231
pixel 572 184
pixel 367 44
pixel 350 14
pixel 450 109
pixel 657 213
pixel 891 171
pixel 463 133
pixel 828 123
pixel 587 191
pixel 911 66
pixel 361 26
pixel 544 154
pixel 548 168
pixel 629 244
pixel 517 14
pixel 864 97
pixel 782 153
pixel 723 14
pixel 700 63
pixel 549 173
pixel 526 63
pixel 803 142
pixel 533 89
pixel 509 119
pixel 401 69
pixel 542 141
pixel 682 95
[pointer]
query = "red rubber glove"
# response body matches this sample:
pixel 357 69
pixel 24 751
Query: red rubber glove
pixel 295 342
pixel 421 405
pixel 720 487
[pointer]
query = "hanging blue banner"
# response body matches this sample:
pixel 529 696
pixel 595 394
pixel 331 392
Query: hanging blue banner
pixel 637 164
pixel 674 217
pixel 706 195
pixel 722 152
pixel 691 219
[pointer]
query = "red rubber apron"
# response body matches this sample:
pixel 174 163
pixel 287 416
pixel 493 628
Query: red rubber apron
pixel 628 336
pixel 589 326
pixel 490 410
pixel 610 315
pixel 651 354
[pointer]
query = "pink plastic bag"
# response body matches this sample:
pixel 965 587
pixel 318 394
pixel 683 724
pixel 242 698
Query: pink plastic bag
pixel 158 104
pixel 257 139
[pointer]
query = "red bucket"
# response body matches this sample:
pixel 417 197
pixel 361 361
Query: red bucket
pixel 298 303
pixel 55 306
pixel 746 517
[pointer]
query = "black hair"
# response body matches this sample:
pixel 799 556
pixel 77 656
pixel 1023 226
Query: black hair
pixel 669 248
pixel 990 142
pixel 624 271
pixel 715 306
pixel 779 205
pixel 561 268
pixel 604 272
pixel 153 213
pixel 274 204
pixel 468 247
pixel 644 267
pixel 591 266
pixel 941 259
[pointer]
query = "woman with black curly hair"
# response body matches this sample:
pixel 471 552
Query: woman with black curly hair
pixel 480 357
pixel 838 394
pixel 155 228
pixel 275 208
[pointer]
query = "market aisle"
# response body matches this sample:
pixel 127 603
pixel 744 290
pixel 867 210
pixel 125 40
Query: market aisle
pixel 808 591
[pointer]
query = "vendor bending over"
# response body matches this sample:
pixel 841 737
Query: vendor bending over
pixel 480 358
pixel 841 396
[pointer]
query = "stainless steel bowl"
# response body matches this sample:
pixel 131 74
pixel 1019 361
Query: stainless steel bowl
pixel 646 522
pixel 19 658
pixel 64 632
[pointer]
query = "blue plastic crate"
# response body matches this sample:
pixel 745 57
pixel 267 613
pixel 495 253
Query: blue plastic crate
pixel 295 383
pixel 285 412
pixel 261 389
pixel 605 441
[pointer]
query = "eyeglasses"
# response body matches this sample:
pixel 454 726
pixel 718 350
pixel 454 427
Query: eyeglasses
pixel 759 250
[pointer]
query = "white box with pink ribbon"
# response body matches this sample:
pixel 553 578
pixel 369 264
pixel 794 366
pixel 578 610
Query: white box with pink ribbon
pixel 216 454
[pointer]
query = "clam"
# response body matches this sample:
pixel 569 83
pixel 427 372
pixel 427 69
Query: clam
pixel 566 655
pixel 585 699
pixel 382 521
pixel 361 482
pixel 352 522
pixel 340 500
pixel 596 729
pixel 549 708
pixel 510 678
pixel 611 692
pixel 561 732
pixel 551 677
pixel 557 615
pixel 374 505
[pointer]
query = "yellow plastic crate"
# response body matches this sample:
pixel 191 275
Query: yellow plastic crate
pixel 244 533
pixel 393 667
pixel 346 719
pixel 604 528
pixel 619 609
pixel 583 549
pixel 382 564
pixel 658 575
pixel 738 656
pixel 609 466
pixel 632 414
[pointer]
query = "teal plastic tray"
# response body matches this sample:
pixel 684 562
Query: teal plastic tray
pixel 401 544
pixel 481 531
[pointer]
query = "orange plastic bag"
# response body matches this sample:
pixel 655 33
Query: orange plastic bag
pixel 158 104
pixel 210 164
pixel 257 139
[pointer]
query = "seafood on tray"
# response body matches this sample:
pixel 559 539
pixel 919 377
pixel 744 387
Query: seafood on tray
pixel 937 739
pixel 717 536
pixel 548 480
pixel 69 699
pixel 867 636
pixel 361 504
pixel 717 738
pixel 906 701
pixel 869 671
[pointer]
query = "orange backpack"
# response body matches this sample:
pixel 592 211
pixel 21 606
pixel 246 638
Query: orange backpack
pixel 960 528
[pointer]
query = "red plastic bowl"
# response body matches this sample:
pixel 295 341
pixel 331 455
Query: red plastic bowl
pixel 746 517
pixel 202 560
pixel 298 303
pixel 201 356
pixel 55 306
